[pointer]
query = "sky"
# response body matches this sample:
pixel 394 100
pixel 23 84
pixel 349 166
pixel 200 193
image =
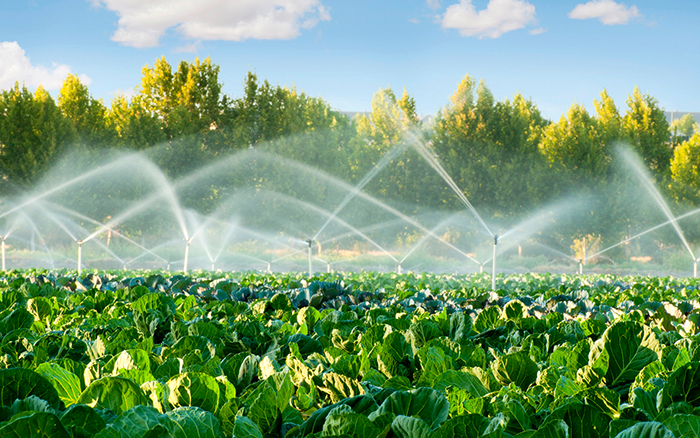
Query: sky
pixel 555 52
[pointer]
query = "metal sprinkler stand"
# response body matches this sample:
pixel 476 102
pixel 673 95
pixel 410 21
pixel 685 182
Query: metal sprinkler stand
pixel 580 267
pixel 695 261
pixel 80 255
pixel 311 264
pixel 398 269
pixel 187 256
pixel 269 267
pixel 493 263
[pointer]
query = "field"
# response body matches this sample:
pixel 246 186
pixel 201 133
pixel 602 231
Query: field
pixel 151 354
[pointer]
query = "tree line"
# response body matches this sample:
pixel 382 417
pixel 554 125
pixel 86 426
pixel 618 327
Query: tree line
pixel 505 156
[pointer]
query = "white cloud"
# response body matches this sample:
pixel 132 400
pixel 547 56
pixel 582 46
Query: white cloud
pixel 15 66
pixel 143 22
pixel 607 11
pixel 433 4
pixel 499 17
pixel 414 21
pixel 538 31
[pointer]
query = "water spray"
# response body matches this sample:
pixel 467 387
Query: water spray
pixel 493 263
pixel 311 264
pixel 80 255
pixel 187 255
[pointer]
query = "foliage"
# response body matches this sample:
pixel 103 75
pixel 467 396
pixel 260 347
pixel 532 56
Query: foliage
pixel 546 356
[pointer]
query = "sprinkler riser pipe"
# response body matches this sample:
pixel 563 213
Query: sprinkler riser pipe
pixel 269 267
pixel 695 264
pixel 580 268
pixel 398 269
pixel 3 253
pixel 80 257
pixel 493 263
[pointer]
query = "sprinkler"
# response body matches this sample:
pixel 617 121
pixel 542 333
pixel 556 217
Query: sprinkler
pixel 328 268
pixel 3 252
pixel 187 255
pixel 269 267
pixel 493 263
pixel 481 268
pixel 580 267
pixel 212 267
pixel 311 265
pixel 80 255
pixel 398 269
pixel 168 267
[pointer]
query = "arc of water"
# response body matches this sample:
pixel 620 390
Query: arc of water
pixel 422 239
pixel 61 187
pixel 41 237
pixel 634 163
pixel 383 162
pixel 432 161
pixel 96 222
pixel 683 216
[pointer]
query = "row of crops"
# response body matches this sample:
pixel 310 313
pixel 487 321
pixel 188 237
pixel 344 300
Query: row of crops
pixel 124 355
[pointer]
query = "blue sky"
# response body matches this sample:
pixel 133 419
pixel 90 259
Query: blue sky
pixel 555 52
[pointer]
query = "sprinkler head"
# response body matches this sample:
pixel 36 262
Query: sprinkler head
pixel 310 242
pixel 495 239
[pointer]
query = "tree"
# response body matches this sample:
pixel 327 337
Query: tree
pixel 577 145
pixel 88 115
pixel 648 132
pixel 133 125
pixel 489 146
pixel 685 171
pixel 32 132
pixel 686 126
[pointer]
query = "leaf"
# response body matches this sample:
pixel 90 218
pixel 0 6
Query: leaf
pixel 245 428
pixel 343 420
pixel 460 379
pixel 339 386
pixel 115 393
pixel 631 347
pixel 262 407
pixel 20 383
pixel 584 421
pixel 409 427
pixel 684 425
pixel 682 385
pixel 552 429
pixel 515 368
pixel 139 422
pixel 66 383
pixel 194 422
pixel 82 418
pixel 646 429
pixel 464 426
pixel 193 389
pixel 134 359
pixel 424 403
pixel 36 425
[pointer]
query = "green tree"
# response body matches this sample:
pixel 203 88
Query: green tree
pixel 88 115
pixel 686 126
pixel 647 130
pixel 32 132
pixel 577 145
pixel 488 146
pixel 133 125
pixel 685 171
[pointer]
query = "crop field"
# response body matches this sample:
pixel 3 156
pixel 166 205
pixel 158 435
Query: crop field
pixel 151 354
